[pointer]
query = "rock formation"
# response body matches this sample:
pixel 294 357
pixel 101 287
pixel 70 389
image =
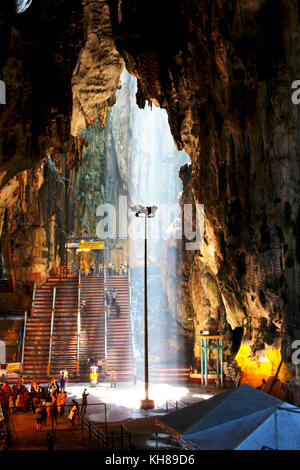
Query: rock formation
pixel 223 72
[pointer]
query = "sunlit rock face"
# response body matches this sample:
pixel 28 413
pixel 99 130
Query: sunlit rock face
pixel 40 46
pixel 96 76
pixel 49 50
pixel 223 71
pixel 34 225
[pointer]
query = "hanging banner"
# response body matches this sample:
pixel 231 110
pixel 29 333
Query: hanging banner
pixel 99 245
pixel 13 367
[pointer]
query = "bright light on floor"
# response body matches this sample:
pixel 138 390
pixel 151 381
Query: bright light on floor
pixel 130 396
pixel 203 397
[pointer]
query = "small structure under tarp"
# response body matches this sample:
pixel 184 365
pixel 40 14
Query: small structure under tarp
pixel 240 419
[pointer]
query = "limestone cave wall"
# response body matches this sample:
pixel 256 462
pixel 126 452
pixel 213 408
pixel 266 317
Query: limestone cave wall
pixel 223 72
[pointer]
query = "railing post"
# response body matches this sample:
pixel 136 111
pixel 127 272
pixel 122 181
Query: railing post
pixel 51 332
pixel 121 428
pixel 23 342
pixel 105 417
pixel 90 431
pixel 105 312
pixel 33 299
pixel 78 324
pixel 222 361
pixel 105 340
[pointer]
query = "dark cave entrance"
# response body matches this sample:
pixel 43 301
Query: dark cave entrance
pixel 236 338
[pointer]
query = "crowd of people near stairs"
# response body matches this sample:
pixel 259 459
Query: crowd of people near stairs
pixel 113 270
pixel 47 403
pixel 111 297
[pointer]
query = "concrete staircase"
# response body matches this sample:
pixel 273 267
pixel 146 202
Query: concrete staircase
pixel 92 322
pixel 64 348
pixel 92 341
pixel 169 374
pixel 37 340
pixel 120 344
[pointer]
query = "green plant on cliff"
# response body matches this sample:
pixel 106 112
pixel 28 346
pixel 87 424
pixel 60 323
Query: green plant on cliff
pixel 90 192
pixel 213 287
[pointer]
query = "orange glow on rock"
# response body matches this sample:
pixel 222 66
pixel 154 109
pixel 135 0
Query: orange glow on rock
pixel 254 372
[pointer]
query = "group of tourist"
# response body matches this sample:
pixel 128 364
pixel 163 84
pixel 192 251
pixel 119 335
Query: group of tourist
pixel 111 296
pixel 113 270
pixel 13 397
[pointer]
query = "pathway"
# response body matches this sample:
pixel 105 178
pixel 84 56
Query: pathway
pixel 25 436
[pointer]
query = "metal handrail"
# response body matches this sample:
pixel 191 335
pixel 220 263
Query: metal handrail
pixel 33 299
pixel 95 432
pixel 23 342
pixel 176 404
pixel 51 331
pixel 78 323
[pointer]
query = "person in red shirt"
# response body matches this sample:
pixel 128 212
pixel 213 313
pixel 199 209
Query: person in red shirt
pixel 6 388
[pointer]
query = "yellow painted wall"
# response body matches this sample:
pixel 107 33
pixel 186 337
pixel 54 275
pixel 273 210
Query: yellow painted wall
pixel 254 372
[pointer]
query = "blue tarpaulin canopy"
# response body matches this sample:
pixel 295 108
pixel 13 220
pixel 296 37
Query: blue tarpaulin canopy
pixel 243 419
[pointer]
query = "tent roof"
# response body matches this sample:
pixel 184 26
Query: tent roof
pixel 252 432
pixel 244 401
pixel 227 435
pixel 222 408
pixel 182 420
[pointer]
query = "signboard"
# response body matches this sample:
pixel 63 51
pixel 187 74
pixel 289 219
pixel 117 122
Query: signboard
pixel 99 245
pixel 13 367
pixel 71 245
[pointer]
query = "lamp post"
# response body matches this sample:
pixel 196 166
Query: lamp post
pixel 146 212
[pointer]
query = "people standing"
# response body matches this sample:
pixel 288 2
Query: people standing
pixel 59 401
pixel 44 414
pixel 48 409
pixel 39 417
pixel 53 385
pixel 84 401
pixel 66 376
pixel 83 307
pixel 73 412
pixel 107 296
pixel 63 400
pixel 53 417
pixel 50 440
pixel 92 269
pixel 100 366
pixel 113 378
pixel 114 296
pixel 110 268
pixel 11 404
pixel 62 382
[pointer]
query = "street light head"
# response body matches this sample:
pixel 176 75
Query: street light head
pixel 148 211
pixel 151 211
pixel 137 209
